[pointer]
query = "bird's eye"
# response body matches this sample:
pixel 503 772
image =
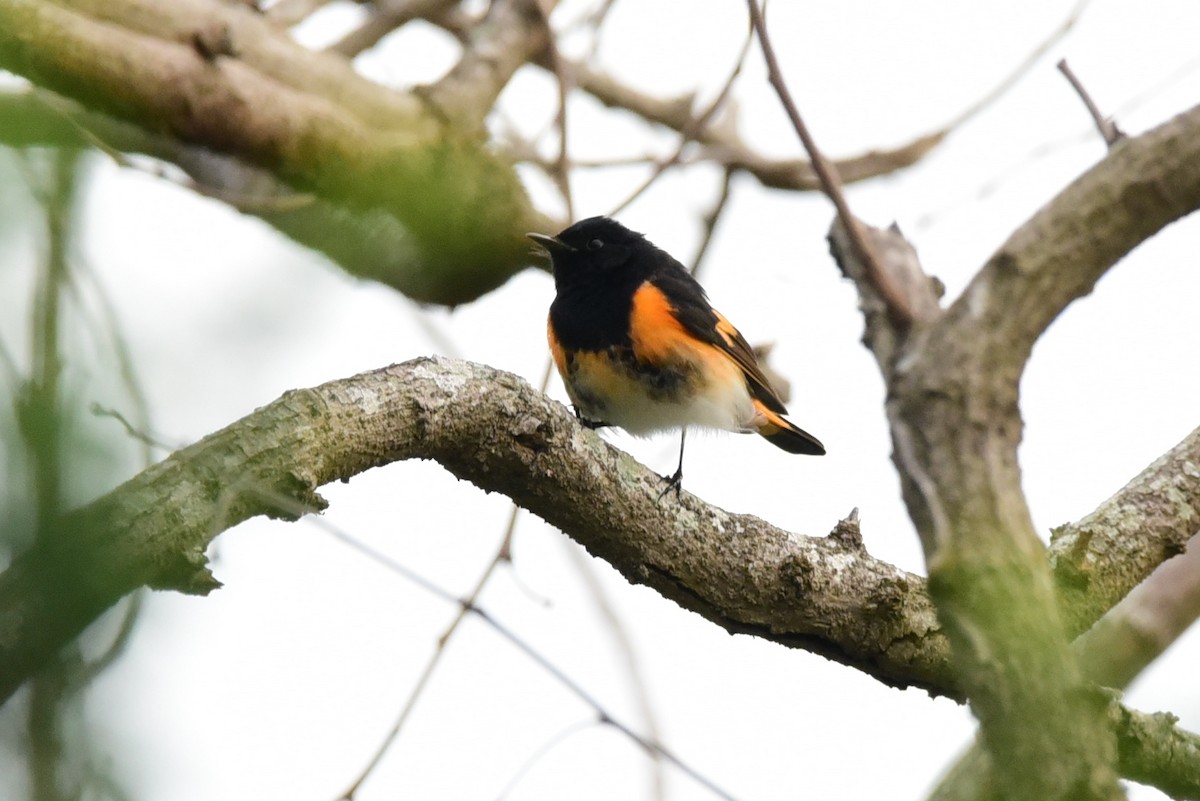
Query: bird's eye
pixel 595 244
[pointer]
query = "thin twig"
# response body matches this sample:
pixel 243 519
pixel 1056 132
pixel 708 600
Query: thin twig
pixel 650 746
pixel 146 438
pixel 467 605
pixel 1040 151
pixel 1108 129
pixel 694 129
pixel 383 19
pixel 797 174
pixel 86 672
pixel 464 606
pixel 1011 80
pixel 584 566
pixel 545 748
pixel 110 322
pixel 41 412
pixel 528 154
pixel 898 305
pixel 710 221
pixel 593 20
pixel 287 13
pixel 561 172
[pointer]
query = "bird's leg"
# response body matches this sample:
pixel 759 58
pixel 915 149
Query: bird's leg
pixel 675 481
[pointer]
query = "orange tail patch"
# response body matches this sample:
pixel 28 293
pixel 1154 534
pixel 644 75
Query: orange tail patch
pixel 781 433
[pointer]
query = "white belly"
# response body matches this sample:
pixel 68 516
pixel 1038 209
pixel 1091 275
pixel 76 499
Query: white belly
pixel 610 393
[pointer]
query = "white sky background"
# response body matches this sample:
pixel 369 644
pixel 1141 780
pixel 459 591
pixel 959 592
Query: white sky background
pixel 280 685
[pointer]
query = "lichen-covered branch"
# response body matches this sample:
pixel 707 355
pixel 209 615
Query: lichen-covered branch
pixel 1151 750
pixel 1155 751
pixel 1099 559
pixel 371 244
pixel 826 595
pixel 1145 623
pixel 953 388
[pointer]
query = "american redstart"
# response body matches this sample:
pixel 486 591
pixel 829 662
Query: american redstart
pixel 638 346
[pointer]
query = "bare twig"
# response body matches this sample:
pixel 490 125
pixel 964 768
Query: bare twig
pixel 898 305
pixel 1045 149
pixel 144 437
pixel 86 672
pixel 511 32
pixel 1108 129
pixel 287 13
pixel 383 18
pixel 724 148
pixel 557 739
pixel 710 221
pixel 561 168
pixel 625 646
pixel 693 129
pixel 1030 60
pixel 40 409
pixel 468 606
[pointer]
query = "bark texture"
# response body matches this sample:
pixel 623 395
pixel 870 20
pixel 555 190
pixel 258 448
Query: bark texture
pixel 825 594
pixel 953 378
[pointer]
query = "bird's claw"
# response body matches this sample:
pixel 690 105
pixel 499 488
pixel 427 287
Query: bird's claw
pixel 674 483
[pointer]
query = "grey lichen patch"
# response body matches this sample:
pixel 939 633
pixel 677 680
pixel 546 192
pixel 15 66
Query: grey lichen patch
pixel 447 375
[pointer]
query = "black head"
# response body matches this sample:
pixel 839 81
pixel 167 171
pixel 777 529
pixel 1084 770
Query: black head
pixel 592 247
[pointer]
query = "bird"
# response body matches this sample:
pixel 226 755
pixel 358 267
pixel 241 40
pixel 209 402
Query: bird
pixel 639 346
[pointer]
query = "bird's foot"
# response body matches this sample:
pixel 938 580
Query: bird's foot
pixel 674 484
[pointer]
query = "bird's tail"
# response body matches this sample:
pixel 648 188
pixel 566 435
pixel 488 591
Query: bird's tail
pixel 782 434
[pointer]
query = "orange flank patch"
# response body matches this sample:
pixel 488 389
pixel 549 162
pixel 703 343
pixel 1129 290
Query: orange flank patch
pixel 658 336
pixel 595 375
pixel 556 351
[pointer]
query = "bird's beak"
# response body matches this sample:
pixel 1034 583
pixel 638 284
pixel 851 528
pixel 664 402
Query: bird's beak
pixel 550 244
